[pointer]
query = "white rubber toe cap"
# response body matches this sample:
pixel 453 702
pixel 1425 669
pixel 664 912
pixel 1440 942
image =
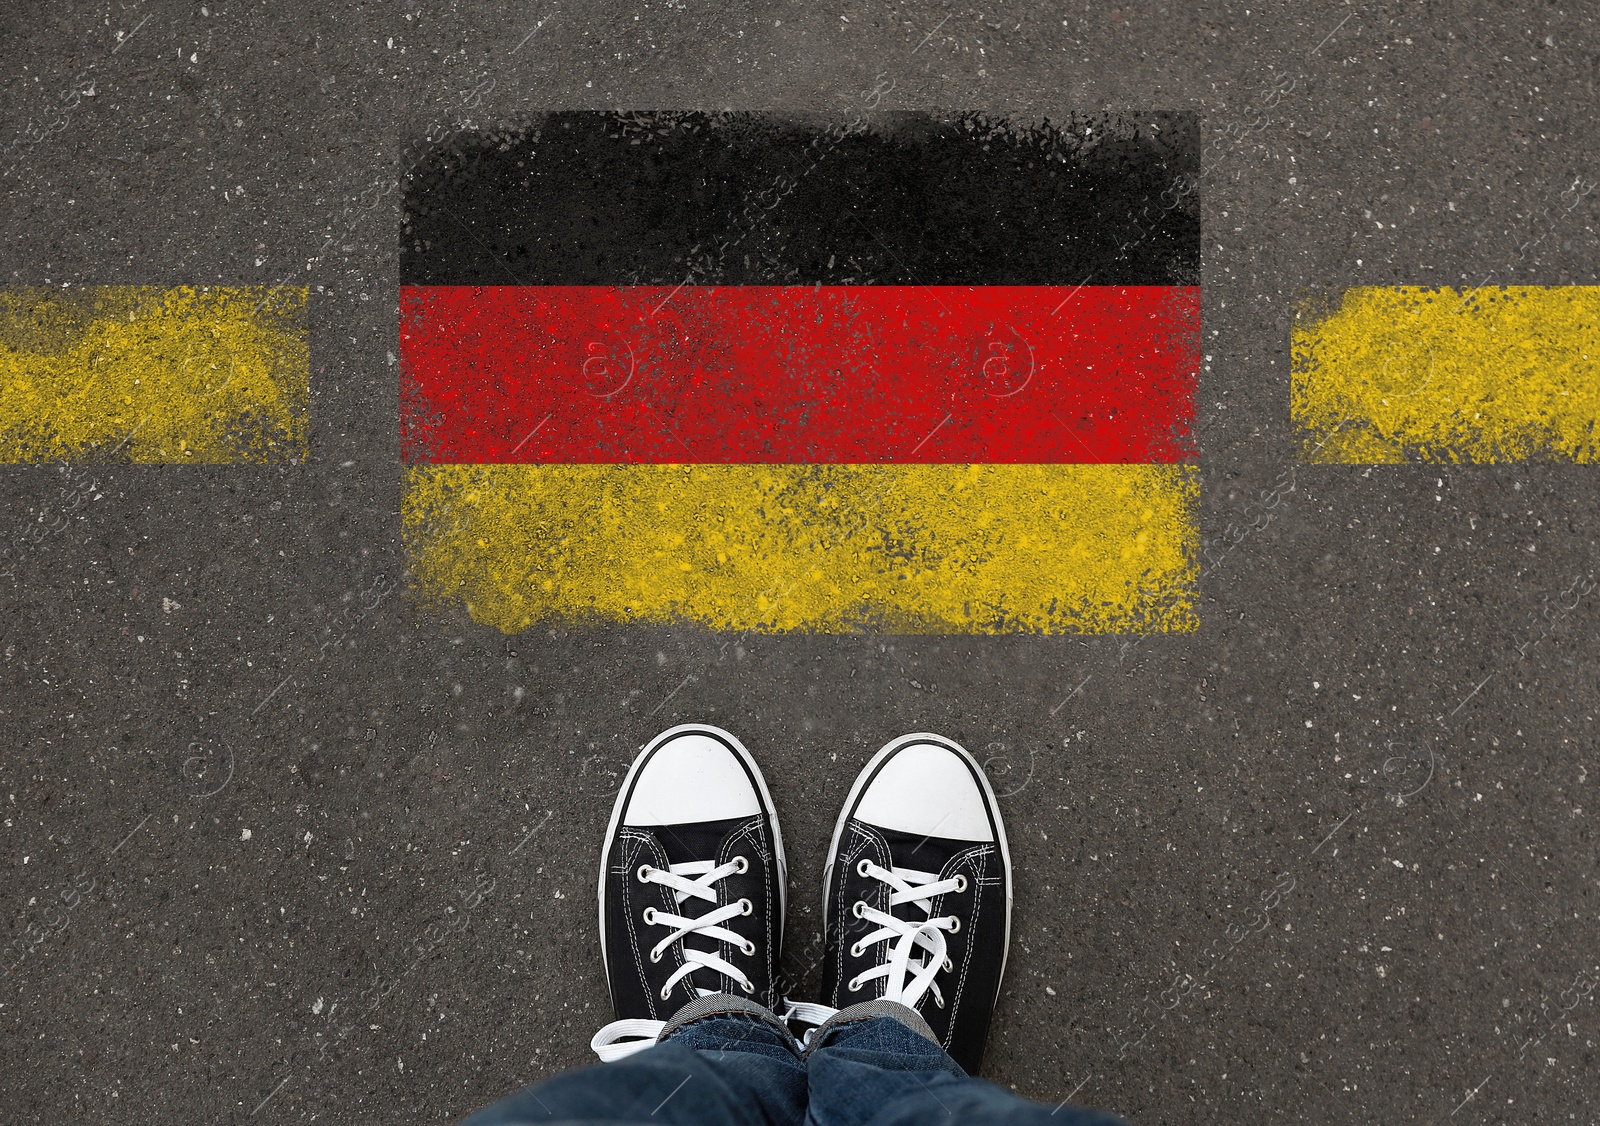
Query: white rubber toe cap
pixel 929 790
pixel 693 775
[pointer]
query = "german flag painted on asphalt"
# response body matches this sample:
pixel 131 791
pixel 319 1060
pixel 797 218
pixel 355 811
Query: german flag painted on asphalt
pixel 910 374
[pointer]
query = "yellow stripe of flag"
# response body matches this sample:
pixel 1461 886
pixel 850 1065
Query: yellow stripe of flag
pixel 154 375
pixel 1411 374
pixel 979 549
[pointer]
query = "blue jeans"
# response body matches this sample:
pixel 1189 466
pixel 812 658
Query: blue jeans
pixel 738 1069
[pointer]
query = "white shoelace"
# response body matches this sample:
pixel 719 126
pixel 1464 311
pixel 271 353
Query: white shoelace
pixel 624 1037
pixel 907 885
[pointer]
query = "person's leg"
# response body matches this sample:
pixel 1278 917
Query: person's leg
pixel 916 921
pixel 869 1067
pixel 723 1061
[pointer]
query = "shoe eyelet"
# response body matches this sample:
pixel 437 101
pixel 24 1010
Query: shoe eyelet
pixel 948 965
pixel 749 949
pixel 861 869
pixel 746 907
pixel 860 909
pixel 939 1001
pixel 748 986
pixel 955 924
pixel 740 865
pixel 644 873
pixel 666 994
pixel 649 916
pixel 856 951
pixel 961 884
pixel 853 985
pixel 654 958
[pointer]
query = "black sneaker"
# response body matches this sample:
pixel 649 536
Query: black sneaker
pixel 691 884
pixel 917 896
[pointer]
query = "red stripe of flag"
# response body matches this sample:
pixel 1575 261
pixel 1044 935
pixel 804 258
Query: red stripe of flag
pixel 799 374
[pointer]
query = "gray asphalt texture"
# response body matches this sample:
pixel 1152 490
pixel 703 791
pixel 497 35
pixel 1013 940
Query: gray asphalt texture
pixel 354 882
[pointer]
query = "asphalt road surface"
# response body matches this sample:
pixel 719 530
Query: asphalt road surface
pixel 1330 858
